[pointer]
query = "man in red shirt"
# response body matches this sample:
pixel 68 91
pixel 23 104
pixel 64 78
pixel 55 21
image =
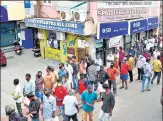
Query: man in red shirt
pixel 112 72
pixel 60 93
pixel 124 73
pixel 82 84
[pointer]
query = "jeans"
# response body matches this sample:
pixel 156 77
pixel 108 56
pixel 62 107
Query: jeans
pixel 158 75
pixel 39 94
pixel 131 75
pixel 35 119
pixel 140 76
pixel 113 82
pixel 73 117
pixel 62 112
pixel 75 82
pixel 102 114
pixel 84 116
pixel 19 108
pixel 143 82
pixel 95 83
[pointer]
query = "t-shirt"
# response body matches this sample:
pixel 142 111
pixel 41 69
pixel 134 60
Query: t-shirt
pixel 156 54
pixel 89 98
pixel 124 68
pixel 69 103
pixel 49 105
pixel 60 93
pixel 112 73
pixel 131 63
pixel 49 80
pixel 34 106
pixel 157 66
pixel 108 102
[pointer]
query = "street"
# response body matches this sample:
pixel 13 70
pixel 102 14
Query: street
pixel 131 104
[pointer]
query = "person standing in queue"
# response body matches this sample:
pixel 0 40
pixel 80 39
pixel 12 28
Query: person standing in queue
pixel 88 103
pixel 121 55
pixel 108 103
pixel 131 65
pixel 39 85
pixel 157 68
pixel 60 92
pixel 34 107
pixel 49 79
pixel 70 106
pixel 48 106
pixel 112 72
pixel 124 73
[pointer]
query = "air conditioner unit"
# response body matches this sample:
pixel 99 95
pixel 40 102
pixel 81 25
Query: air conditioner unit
pixel 80 16
pixel 65 15
pixel 60 36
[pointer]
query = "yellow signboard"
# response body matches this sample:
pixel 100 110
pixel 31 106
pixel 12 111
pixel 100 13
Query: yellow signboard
pixel 53 54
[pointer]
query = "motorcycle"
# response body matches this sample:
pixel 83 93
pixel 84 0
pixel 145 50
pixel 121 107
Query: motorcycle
pixel 36 52
pixel 18 49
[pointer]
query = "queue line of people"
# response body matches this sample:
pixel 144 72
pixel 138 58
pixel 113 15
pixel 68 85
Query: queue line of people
pixel 57 89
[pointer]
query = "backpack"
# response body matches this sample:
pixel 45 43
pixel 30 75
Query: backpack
pixel 67 74
pixel 144 71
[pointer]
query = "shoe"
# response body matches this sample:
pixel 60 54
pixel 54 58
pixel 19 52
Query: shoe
pixel 142 91
pixel 126 88
pixel 158 83
pixel 130 81
pixel 121 87
pixel 147 89
pixel 151 82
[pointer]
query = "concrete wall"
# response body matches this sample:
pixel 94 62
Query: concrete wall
pixel 15 10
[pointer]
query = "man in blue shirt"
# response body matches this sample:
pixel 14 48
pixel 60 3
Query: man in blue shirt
pixel 132 51
pixel 62 71
pixel 88 98
pixel 29 85
pixel 49 105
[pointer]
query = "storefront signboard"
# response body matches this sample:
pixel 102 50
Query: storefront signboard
pixel 153 23
pixel 3 13
pixel 113 29
pixel 127 4
pixel 56 25
pixel 137 26
pixel 114 14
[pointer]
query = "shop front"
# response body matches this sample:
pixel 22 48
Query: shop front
pixel 139 29
pixel 109 37
pixel 61 39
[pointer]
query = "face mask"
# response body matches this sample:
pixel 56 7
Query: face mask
pixel 47 95
pixel 112 66
pixel 30 99
pixel 39 76
pixel 60 67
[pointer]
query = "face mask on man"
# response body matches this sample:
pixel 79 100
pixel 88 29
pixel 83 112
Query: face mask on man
pixel 47 95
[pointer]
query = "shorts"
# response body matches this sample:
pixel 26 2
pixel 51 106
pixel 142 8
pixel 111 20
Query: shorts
pixel 124 77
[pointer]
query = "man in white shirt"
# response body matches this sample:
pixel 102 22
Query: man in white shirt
pixel 69 69
pixel 98 62
pixel 17 96
pixel 156 53
pixel 66 83
pixel 141 61
pixel 49 106
pixel 110 59
pixel 71 106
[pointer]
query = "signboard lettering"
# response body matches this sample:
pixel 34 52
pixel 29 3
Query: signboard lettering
pixel 51 24
pixel 126 4
pixel 120 14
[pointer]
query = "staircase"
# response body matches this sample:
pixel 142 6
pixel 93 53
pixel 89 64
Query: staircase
pixel 8 48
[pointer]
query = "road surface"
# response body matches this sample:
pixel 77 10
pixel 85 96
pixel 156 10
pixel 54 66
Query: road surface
pixel 131 104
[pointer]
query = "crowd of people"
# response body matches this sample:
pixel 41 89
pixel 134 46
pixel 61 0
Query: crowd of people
pixel 55 93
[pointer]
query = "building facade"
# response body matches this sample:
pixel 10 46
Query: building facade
pixel 9 20
pixel 69 28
